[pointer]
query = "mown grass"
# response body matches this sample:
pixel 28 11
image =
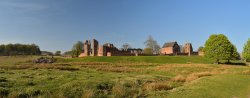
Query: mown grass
pixel 124 77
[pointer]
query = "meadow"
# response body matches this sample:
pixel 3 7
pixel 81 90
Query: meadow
pixel 123 77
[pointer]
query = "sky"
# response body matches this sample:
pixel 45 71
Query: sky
pixel 58 24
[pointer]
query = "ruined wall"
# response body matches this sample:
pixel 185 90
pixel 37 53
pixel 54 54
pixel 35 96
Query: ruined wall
pixel 102 51
pixel 86 48
pixel 188 48
pixel 94 48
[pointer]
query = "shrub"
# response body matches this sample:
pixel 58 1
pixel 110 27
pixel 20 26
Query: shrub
pixel 247 72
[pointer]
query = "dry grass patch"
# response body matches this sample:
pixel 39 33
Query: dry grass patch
pixel 195 76
pixel 179 78
pixel 89 93
pixel 118 69
pixel 157 86
pixel 119 90
pixel 246 72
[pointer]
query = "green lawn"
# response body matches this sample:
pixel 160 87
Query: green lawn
pixel 123 77
pixel 146 59
pixel 219 86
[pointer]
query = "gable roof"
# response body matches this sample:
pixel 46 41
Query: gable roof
pixel 169 44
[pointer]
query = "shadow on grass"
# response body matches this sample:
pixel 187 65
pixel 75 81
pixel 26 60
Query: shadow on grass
pixel 235 63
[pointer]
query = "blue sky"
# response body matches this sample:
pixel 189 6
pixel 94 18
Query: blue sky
pixel 58 24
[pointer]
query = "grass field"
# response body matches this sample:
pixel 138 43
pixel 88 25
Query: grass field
pixel 123 77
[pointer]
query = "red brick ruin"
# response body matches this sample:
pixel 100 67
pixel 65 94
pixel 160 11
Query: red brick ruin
pixel 93 48
pixel 172 48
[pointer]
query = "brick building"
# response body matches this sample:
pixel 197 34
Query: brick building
pixel 170 48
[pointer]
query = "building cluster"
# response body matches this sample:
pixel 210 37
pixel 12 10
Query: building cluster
pixel 93 48
pixel 172 48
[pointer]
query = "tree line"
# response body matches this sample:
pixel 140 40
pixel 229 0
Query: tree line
pixel 19 49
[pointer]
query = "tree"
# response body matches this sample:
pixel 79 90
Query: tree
pixel 235 54
pixel 77 49
pixel 147 51
pixel 246 51
pixel 19 49
pixel 153 45
pixel 218 47
pixel 57 53
pixel 200 48
pixel 126 46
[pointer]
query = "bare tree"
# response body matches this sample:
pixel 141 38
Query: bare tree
pixel 126 46
pixel 152 44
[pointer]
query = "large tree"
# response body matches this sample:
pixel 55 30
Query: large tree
pixel 153 45
pixel 77 49
pixel 246 51
pixel 218 47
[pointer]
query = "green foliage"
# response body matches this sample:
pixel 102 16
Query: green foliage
pixel 19 49
pixel 218 47
pixel 57 53
pixel 153 45
pixel 148 51
pixel 200 48
pixel 77 49
pixel 235 54
pixel 246 51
